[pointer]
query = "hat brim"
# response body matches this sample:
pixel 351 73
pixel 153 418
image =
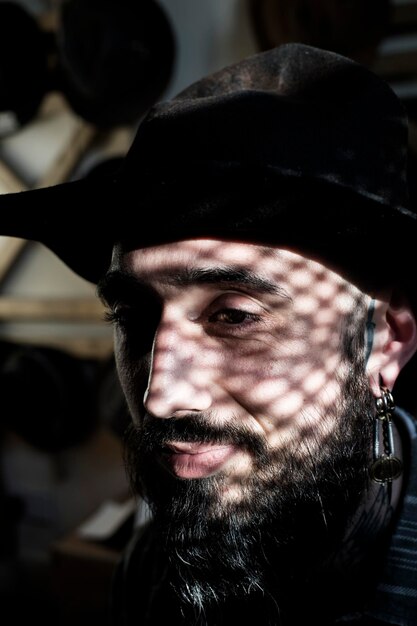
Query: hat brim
pixel 68 219
pixel 346 228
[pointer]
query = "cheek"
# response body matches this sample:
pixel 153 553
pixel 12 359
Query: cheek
pixel 133 376
pixel 281 379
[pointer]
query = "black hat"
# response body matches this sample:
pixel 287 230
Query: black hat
pixel 292 146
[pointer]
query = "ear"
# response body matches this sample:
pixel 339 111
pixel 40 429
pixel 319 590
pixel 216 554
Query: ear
pixel 395 341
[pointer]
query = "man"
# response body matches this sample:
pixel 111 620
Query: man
pixel 263 313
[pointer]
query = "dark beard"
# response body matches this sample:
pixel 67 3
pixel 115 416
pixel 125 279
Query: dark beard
pixel 289 522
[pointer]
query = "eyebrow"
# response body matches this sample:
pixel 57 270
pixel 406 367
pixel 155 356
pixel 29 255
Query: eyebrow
pixel 119 284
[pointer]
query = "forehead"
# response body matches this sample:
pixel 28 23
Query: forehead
pixel 276 264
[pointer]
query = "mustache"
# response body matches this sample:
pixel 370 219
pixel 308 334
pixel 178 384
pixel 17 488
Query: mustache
pixel 154 433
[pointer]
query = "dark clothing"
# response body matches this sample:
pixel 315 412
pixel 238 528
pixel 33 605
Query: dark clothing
pixel 395 600
pixel 384 592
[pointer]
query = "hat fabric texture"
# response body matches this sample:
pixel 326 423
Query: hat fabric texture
pixel 294 146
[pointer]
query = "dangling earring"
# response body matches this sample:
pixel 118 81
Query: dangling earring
pixel 386 466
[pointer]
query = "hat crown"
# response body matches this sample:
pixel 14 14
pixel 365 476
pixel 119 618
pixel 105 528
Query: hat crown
pixel 294 110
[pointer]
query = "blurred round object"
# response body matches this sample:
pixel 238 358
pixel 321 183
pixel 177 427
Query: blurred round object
pixel 23 67
pixel 48 397
pixel 352 28
pixel 116 58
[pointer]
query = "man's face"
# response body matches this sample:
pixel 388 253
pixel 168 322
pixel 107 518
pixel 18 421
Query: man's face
pixel 236 363
pixel 238 332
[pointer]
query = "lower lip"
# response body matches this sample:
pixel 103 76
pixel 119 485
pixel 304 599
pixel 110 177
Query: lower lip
pixel 199 464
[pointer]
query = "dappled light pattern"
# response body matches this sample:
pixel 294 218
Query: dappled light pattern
pixel 264 346
pixel 244 371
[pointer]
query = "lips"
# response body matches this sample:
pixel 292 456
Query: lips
pixel 196 460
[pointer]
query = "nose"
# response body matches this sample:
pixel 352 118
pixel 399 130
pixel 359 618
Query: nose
pixel 179 380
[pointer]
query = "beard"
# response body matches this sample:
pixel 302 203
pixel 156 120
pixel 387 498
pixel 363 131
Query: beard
pixel 289 521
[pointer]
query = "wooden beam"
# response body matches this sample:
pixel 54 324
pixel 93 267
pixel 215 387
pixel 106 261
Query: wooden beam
pixel 69 156
pixel 10 250
pixel 97 348
pixel 9 181
pixel 10 247
pixel 19 309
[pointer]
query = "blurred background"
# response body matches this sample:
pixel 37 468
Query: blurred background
pixel 76 78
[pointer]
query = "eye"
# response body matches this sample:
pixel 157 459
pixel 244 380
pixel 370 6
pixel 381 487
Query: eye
pixel 119 315
pixel 137 325
pixel 235 317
